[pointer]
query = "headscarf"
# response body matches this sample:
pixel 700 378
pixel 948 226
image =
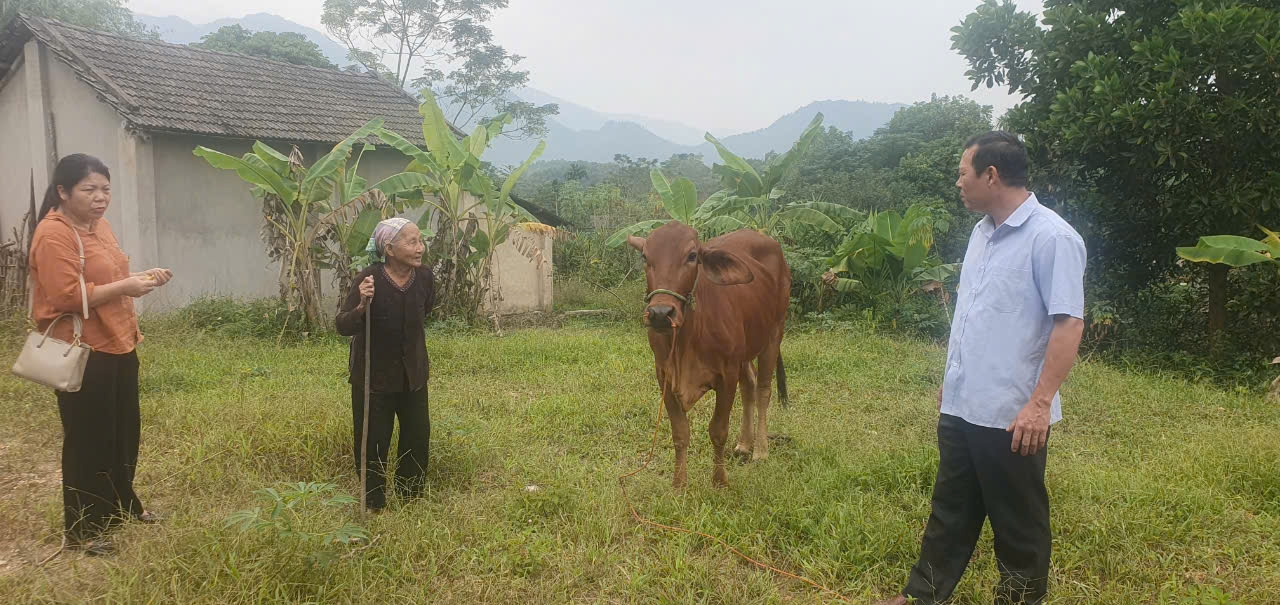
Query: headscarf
pixel 384 234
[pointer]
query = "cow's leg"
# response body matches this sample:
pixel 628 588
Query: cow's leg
pixel 747 379
pixel 764 391
pixel 679 438
pixel 719 428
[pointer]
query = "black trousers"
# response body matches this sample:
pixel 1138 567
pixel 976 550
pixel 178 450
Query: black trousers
pixel 415 440
pixel 979 479
pixel 100 430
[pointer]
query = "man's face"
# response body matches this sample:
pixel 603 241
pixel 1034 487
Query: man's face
pixel 975 187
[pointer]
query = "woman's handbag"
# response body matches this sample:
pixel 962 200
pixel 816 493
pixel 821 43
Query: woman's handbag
pixel 51 362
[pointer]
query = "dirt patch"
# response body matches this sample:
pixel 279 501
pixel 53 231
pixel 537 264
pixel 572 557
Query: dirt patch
pixel 30 477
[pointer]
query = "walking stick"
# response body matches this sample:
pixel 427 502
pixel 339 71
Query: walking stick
pixel 364 426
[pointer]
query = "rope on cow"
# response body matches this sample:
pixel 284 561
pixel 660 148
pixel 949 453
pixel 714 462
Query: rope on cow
pixel 657 425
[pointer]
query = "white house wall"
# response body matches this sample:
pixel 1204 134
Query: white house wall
pixel 82 123
pixel 208 224
pixel 15 160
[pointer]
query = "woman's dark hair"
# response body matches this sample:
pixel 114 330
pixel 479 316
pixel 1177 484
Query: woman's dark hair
pixel 71 170
pixel 1004 151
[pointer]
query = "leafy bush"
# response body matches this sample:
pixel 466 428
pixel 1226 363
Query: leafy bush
pixel 261 318
pixel 1165 325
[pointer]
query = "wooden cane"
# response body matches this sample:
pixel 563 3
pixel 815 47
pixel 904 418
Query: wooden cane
pixel 364 433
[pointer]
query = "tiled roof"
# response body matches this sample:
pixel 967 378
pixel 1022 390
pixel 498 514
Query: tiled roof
pixel 170 87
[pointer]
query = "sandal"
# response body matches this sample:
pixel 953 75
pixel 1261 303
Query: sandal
pixel 151 518
pixel 99 547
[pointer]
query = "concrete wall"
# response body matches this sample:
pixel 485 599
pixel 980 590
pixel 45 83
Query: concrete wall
pixel 15 158
pixel 208 224
pixel 522 275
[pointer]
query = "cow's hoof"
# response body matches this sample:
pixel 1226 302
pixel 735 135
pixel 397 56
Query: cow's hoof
pixel 743 454
pixel 719 480
pixel 759 456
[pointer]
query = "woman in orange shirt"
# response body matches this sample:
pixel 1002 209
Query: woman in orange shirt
pixel 101 422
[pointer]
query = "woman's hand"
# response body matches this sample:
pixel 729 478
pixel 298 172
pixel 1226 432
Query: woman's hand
pixel 137 286
pixel 366 292
pixel 160 276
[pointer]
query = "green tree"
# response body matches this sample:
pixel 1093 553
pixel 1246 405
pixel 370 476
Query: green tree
pixel 631 175
pixel 103 15
pixel 290 47
pixel 414 42
pixel 577 172
pixel 472 214
pixel 1157 120
pixel 909 161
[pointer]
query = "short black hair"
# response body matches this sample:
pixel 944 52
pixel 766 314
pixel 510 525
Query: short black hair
pixel 1004 151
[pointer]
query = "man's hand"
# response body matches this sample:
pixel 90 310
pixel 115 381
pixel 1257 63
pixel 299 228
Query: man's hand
pixel 939 398
pixel 1031 428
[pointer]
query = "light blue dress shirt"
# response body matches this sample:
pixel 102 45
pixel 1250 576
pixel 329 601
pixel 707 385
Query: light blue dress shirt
pixel 1015 279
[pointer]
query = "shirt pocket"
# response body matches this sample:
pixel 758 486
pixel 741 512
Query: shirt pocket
pixel 1006 287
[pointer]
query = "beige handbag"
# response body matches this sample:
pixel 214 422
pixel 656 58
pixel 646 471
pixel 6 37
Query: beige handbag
pixel 51 362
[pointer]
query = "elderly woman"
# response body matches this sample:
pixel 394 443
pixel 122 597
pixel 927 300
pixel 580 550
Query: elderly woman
pixel 78 267
pixel 398 292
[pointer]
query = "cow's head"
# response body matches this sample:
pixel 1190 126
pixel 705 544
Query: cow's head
pixel 674 261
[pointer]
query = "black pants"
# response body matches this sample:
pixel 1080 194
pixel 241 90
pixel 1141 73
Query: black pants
pixel 100 430
pixel 979 479
pixel 415 440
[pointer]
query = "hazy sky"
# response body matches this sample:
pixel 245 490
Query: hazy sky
pixel 724 65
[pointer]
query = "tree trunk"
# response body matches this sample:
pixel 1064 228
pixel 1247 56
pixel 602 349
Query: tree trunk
pixel 1217 306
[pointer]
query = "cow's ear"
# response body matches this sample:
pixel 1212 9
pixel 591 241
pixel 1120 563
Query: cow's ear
pixel 636 242
pixel 725 268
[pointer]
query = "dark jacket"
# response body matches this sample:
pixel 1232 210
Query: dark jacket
pixel 399 360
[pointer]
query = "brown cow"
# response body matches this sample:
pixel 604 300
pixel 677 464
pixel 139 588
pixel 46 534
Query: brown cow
pixel 712 309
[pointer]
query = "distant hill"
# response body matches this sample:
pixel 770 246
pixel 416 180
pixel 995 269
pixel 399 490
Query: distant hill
pixel 579 132
pixel 858 117
pixel 600 143
pixel 180 31
pixel 578 117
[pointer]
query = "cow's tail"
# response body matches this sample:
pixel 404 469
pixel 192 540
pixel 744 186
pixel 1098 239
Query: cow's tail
pixel 782 383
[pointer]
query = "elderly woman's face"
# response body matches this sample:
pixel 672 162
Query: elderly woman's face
pixel 407 247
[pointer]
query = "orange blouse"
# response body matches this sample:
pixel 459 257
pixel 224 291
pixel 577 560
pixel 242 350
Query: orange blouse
pixel 112 326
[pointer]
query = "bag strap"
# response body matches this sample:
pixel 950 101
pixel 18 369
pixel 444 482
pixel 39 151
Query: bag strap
pixel 84 291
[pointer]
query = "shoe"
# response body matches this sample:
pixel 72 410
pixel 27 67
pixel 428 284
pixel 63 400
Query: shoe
pixel 99 547
pixel 151 518
pixel 895 600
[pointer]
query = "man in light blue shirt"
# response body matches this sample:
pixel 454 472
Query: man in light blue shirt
pixel 1018 322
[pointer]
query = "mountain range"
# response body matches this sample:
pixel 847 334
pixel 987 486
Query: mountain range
pixel 580 133
pixel 180 31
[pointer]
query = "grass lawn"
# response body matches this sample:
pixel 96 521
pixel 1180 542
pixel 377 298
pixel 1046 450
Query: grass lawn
pixel 1161 489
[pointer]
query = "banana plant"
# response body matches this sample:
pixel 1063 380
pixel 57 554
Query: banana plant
pixel 749 198
pixel 303 204
pixel 679 200
pixel 1234 250
pixel 1237 251
pixel 891 255
pixel 470 215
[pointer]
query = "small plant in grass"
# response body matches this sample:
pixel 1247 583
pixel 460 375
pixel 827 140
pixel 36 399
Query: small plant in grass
pixel 292 513
pixel 1207 595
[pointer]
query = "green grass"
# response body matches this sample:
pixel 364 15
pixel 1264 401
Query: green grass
pixel 1160 489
